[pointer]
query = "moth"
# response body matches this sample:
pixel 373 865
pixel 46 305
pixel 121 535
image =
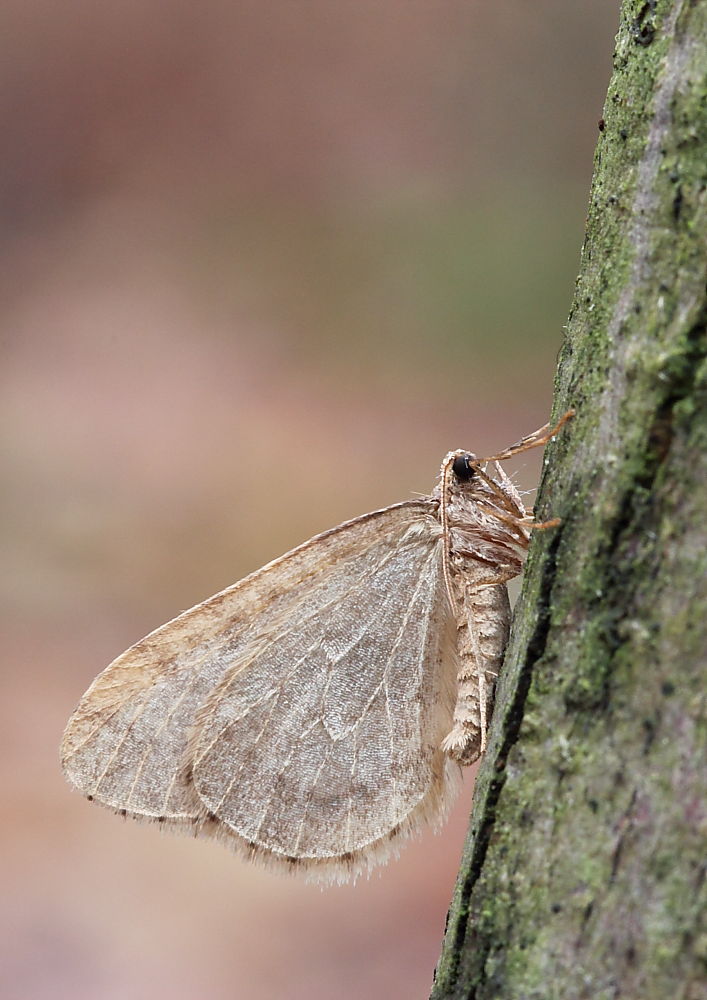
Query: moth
pixel 318 712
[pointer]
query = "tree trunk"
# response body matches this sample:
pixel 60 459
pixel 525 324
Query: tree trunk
pixel 583 871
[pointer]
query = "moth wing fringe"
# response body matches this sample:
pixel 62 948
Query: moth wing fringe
pixel 431 811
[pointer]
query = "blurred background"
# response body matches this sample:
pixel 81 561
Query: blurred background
pixel 263 264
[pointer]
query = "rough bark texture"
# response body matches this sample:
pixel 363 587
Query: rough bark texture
pixel 583 872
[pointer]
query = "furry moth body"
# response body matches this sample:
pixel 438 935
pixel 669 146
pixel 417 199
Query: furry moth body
pixel 316 713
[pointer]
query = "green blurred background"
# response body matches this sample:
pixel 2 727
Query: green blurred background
pixel 263 264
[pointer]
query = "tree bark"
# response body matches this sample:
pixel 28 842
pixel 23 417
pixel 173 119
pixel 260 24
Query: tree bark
pixel 583 872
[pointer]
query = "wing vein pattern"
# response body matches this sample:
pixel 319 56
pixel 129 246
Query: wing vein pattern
pixel 321 687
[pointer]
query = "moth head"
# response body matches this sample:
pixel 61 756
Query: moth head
pixel 463 466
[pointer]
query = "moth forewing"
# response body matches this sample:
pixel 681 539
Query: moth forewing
pixel 314 714
pixel 152 728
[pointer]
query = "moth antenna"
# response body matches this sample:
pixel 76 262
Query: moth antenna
pixel 444 523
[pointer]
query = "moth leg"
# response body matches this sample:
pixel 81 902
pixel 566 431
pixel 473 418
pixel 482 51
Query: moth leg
pixel 505 492
pixel 483 632
pixel 537 439
pixel 543 525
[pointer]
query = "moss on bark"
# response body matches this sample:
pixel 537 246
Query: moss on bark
pixel 583 871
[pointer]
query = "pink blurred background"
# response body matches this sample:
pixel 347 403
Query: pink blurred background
pixel 262 266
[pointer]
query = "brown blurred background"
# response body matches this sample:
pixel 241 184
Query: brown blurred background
pixel 263 264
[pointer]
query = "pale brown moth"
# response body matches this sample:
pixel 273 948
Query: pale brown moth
pixel 317 712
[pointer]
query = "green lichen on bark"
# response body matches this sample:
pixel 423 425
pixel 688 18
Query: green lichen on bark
pixel 583 872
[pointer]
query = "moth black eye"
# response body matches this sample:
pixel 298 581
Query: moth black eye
pixel 462 467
